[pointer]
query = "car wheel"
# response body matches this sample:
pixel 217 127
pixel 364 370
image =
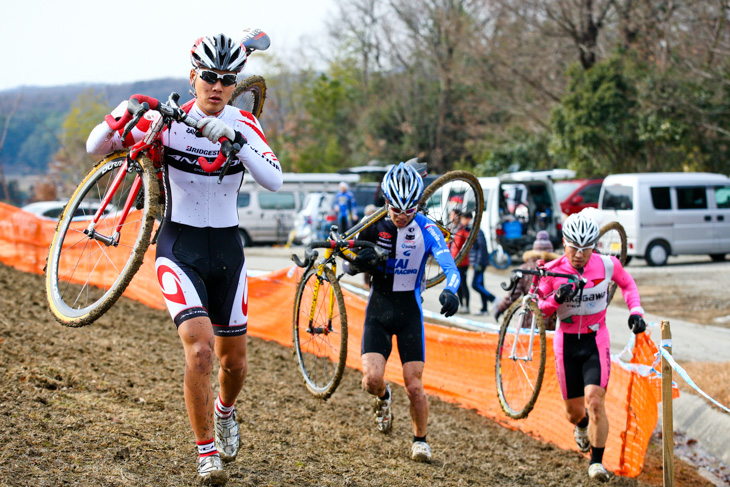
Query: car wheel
pixel 245 239
pixel 657 254
pixel 717 257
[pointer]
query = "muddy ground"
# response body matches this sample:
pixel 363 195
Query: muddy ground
pixel 102 406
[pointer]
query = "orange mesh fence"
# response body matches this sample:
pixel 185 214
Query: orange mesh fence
pixel 459 363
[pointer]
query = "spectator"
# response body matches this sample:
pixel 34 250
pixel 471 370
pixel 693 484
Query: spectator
pixel 479 259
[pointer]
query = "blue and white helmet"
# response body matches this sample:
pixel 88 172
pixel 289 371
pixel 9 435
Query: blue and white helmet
pixel 218 52
pixel 581 230
pixel 402 186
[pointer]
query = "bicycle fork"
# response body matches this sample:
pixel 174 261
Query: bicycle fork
pixel 131 198
pixel 523 312
pixel 322 330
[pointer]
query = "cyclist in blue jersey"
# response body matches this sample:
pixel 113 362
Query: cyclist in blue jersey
pixel 394 305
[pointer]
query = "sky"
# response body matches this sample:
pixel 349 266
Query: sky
pixel 54 43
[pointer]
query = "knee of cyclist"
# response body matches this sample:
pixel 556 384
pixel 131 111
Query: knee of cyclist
pixel 415 391
pixel 200 356
pixel 595 405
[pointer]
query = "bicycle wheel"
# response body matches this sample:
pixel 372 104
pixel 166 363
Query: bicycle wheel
pixel 249 95
pixel 455 190
pixel 320 332
pixel 90 265
pixel 612 241
pixel 519 366
pixel 500 259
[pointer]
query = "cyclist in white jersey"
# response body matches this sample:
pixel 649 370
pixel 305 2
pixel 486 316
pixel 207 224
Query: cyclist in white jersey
pixel 394 305
pixel 200 263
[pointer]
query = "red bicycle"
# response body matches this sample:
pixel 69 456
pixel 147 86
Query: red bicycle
pixel 107 224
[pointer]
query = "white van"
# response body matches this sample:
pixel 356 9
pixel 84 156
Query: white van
pixel 268 217
pixel 517 206
pixel 670 213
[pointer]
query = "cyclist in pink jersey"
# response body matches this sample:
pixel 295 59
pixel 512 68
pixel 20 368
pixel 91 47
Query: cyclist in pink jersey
pixel 200 262
pixel 581 343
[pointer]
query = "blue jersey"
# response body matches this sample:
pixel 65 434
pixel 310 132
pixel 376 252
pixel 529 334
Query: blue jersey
pixel 345 203
pixel 408 250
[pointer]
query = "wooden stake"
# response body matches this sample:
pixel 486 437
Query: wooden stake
pixel 667 414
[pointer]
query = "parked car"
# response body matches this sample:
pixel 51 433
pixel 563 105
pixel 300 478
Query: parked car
pixel 53 209
pixel 312 222
pixel 669 213
pixel 576 194
pixel 268 217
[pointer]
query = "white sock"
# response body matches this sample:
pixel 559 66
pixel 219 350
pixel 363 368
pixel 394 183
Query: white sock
pixel 223 411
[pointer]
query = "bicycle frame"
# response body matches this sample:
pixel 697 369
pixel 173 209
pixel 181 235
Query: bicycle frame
pixel 134 191
pixel 532 294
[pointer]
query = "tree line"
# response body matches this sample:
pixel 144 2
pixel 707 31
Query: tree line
pixel 598 86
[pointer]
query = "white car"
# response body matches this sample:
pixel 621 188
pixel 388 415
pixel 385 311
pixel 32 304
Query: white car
pixel 315 217
pixel 53 209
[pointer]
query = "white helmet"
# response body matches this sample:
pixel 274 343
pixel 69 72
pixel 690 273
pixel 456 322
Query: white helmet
pixel 218 52
pixel 402 186
pixel 580 230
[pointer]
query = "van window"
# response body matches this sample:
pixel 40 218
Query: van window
pixel 660 198
pixel 722 196
pixel 277 201
pixel 691 198
pixel 244 199
pixel 618 197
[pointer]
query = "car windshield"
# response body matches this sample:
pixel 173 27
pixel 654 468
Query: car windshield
pixel 617 197
pixel 564 188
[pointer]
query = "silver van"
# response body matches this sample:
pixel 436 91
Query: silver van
pixel 670 213
pixel 266 217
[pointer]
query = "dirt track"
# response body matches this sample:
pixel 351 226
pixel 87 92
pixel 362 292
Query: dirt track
pixel 102 406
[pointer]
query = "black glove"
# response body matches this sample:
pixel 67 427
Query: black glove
pixel 565 292
pixel 450 303
pixel 366 260
pixel 637 324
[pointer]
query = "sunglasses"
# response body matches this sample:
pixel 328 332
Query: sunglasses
pixel 211 77
pixel 579 249
pixel 398 211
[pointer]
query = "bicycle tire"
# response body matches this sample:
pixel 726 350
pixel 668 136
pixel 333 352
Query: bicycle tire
pixel 518 381
pixel 464 193
pixel 320 360
pixel 249 95
pixel 612 241
pixel 85 276
pixel 500 260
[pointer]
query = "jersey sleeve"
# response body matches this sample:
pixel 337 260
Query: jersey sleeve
pixel 440 251
pixel 256 155
pixel 629 290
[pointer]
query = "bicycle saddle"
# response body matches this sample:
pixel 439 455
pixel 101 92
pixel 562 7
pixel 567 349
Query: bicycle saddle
pixel 255 40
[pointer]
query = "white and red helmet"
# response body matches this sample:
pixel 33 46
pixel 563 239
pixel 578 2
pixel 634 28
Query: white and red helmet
pixel 218 52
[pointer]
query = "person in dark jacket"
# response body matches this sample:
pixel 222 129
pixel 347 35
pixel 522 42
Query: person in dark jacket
pixel 479 259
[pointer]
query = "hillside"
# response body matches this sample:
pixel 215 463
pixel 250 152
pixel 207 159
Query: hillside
pixel 35 129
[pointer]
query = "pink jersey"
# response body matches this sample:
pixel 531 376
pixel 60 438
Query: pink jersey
pixel 589 313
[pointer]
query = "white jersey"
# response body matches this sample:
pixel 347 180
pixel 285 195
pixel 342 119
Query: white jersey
pixel 194 196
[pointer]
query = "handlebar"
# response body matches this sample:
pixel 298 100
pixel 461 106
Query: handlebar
pixel 140 104
pixel 541 272
pixel 310 254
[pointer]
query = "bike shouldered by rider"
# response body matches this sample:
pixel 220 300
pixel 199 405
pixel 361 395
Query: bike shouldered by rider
pixel 199 249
